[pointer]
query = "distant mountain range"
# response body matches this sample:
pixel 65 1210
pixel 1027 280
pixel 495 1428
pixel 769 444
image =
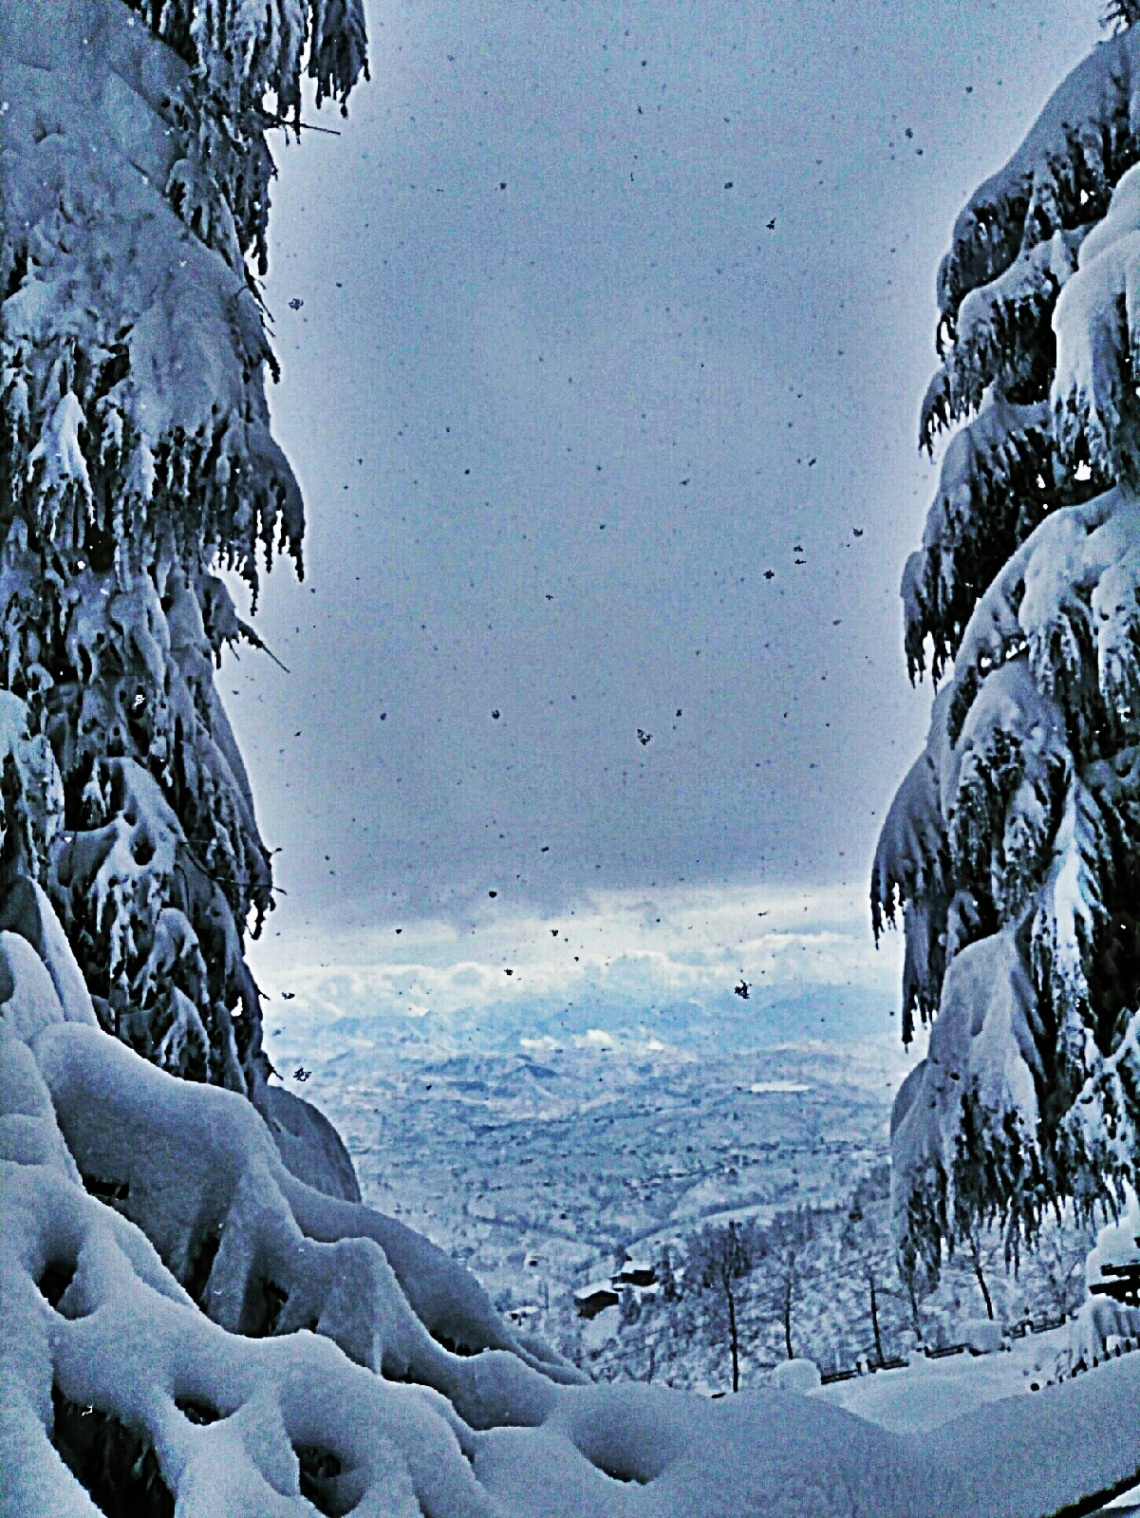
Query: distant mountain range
pixel 542 1023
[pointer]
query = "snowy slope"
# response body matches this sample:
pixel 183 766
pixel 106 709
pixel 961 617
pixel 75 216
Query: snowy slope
pixel 234 1423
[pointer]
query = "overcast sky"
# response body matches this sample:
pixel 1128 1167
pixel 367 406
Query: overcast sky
pixel 604 330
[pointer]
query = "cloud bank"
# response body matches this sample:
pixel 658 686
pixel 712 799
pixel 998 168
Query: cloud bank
pixel 673 964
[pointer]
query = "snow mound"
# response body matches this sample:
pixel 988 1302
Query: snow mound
pixel 31 1002
pixel 216 1331
pixel 800 1376
pixel 26 910
pixel 1118 1242
pixel 982 1335
pixel 310 1146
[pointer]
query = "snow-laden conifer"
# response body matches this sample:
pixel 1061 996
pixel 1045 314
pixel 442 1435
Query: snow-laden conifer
pixel 1013 847
pixel 136 461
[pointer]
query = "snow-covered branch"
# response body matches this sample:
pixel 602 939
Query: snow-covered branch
pixel 1014 843
pixel 137 459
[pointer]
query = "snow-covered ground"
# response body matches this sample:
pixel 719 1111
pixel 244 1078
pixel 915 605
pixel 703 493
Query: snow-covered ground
pixel 930 1392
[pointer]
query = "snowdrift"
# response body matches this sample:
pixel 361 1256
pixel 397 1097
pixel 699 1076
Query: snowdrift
pixel 188 1323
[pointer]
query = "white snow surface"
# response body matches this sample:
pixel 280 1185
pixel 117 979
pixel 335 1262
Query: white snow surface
pixel 929 1392
pixel 797 1375
pixel 1118 1243
pixel 498 1432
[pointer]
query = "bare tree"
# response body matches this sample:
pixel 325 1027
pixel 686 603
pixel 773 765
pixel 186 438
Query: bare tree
pixel 866 1240
pixel 1060 1266
pixel 786 1237
pixel 975 1243
pixel 719 1264
pixel 789 1294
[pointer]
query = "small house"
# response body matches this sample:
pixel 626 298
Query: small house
pixel 636 1273
pixel 595 1298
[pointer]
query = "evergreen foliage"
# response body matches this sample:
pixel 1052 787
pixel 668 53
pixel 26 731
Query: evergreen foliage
pixel 135 461
pixel 1012 849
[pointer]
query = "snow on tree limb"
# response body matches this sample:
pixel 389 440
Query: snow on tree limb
pixel 909 872
pixel 246 49
pixel 1041 841
pixel 135 183
pixel 982 1048
pixel 999 334
pixel 1098 341
pixel 1028 582
pixel 132 349
pixel 1060 178
pixel 136 459
pixel 997 482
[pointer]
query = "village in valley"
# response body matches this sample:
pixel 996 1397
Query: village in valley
pixel 574 1181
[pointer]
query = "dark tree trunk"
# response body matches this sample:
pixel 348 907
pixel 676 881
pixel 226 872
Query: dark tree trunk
pixel 789 1289
pixel 875 1318
pixel 733 1340
pixel 981 1279
pixel 915 1319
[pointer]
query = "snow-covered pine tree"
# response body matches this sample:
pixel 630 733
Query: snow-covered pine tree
pixel 1012 849
pixel 186 1325
pixel 136 461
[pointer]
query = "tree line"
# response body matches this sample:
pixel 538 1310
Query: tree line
pixel 736 1298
